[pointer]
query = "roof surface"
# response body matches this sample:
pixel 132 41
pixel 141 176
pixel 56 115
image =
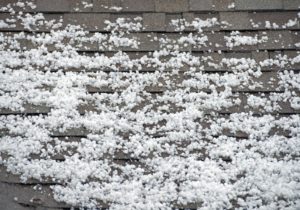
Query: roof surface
pixel 149 104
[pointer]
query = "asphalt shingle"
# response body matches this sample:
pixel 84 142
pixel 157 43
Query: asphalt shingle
pixel 154 21
pixel 171 5
pixel 258 5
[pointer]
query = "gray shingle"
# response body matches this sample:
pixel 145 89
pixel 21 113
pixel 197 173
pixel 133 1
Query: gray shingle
pixel 292 54
pixel 53 5
pixel 291 4
pixel 89 21
pixel 277 40
pixel 171 5
pixel 278 18
pixel 205 16
pixel 172 39
pixel 79 6
pixel 138 6
pixel 12 3
pixel 105 5
pixel 154 21
pixel 6 16
pixel 28 109
pixel 215 42
pixel 209 59
pixel 258 4
pixel 296 38
pixel 236 20
pixel 127 16
pixel 203 5
pixel 260 56
pixel 28 196
pixel 241 47
pixel 20 27
pixel 147 42
pixel 169 18
pixel 222 5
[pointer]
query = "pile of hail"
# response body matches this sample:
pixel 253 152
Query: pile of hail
pixel 153 130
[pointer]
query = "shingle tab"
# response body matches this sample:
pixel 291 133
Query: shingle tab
pixel 277 40
pixel 138 6
pixel 106 5
pixel 260 56
pixel 12 3
pixel 235 20
pixel 292 54
pixel 147 42
pixel 296 38
pixel 223 5
pixel 291 4
pixel 154 21
pixel 80 6
pixel 274 20
pixel 203 5
pixel 169 18
pixel 89 21
pixel 171 5
pixel 258 4
pixel 53 5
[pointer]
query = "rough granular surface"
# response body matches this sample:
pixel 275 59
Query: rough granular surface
pixel 149 104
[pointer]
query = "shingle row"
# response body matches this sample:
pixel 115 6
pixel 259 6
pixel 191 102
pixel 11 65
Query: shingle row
pixel 168 6
pixel 277 40
pixel 164 22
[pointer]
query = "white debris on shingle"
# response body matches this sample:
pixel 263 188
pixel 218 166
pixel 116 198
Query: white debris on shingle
pixel 184 146
pixel 236 39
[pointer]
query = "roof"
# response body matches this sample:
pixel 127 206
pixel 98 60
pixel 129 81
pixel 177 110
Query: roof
pixel 149 104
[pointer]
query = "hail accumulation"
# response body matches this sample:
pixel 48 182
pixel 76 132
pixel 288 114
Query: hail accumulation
pixel 150 131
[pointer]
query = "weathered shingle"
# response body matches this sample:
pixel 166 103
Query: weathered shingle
pixel 138 6
pixel 53 6
pixel 235 20
pixel 277 40
pixel 223 5
pixel 106 5
pixel 154 21
pixel 89 21
pixel 171 5
pixel 169 20
pixel 80 6
pixel 260 56
pixel 203 5
pixel 258 4
pixel 291 4
pixel 274 20
pixel 25 8
pixel 147 42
